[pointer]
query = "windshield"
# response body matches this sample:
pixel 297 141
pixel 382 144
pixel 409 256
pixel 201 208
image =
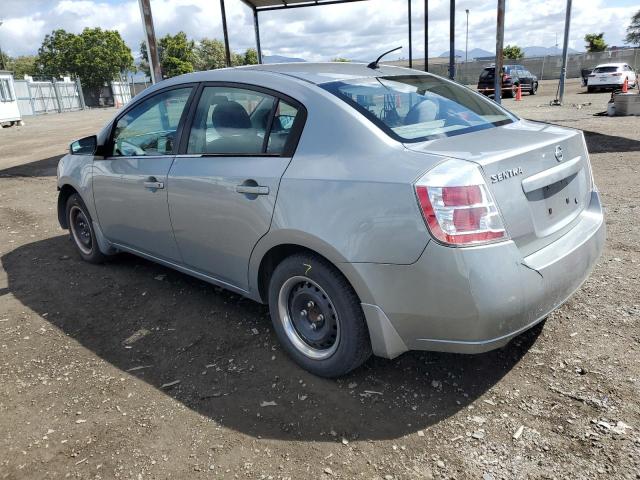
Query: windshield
pixel 414 108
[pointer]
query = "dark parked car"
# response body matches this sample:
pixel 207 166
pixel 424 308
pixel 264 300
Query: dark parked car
pixel 528 81
pixel 510 81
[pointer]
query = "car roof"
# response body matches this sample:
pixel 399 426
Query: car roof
pixel 622 64
pixel 324 72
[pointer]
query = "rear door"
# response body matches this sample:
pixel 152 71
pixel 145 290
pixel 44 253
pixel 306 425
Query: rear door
pixel 130 184
pixel 223 185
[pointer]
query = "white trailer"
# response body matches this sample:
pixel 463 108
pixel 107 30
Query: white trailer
pixel 9 111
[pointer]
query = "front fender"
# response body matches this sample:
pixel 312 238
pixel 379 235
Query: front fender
pixel 75 171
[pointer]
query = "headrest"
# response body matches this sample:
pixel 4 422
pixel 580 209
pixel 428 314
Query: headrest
pixel 230 115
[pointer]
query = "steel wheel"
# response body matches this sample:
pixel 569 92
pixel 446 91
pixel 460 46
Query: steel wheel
pixel 309 318
pixel 80 229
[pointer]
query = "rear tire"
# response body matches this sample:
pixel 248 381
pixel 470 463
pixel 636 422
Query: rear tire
pixel 317 316
pixel 81 230
pixel 591 89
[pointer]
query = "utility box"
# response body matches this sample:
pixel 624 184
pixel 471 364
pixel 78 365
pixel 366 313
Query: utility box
pixel 9 111
pixel 627 104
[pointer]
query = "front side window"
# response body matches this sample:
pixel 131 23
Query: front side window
pixel 150 127
pixel 419 107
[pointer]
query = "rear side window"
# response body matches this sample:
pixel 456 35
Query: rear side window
pixel 283 122
pixel 419 107
pixel 487 73
pixel 230 121
pixel 150 127
pixel 236 121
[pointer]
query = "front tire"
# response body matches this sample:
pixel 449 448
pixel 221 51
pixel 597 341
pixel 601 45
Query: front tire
pixel 81 230
pixel 534 88
pixel 317 316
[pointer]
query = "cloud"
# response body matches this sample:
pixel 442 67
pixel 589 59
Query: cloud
pixel 357 30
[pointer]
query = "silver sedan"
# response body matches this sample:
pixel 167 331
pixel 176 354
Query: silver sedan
pixel 376 210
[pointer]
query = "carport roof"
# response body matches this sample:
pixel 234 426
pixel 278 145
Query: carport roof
pixel 263 5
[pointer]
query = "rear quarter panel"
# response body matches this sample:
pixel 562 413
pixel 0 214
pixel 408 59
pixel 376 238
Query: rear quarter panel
pixel 348 192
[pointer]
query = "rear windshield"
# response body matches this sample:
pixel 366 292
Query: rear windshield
pixel 605 70
pixel 414 108
pixel 487 73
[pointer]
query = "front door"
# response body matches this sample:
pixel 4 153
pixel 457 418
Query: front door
pixel 222 191
pixel 130 185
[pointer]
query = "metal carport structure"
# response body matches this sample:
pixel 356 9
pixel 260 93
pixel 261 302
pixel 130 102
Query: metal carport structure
pixel 258 6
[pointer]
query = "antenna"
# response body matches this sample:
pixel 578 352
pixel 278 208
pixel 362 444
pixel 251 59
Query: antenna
pixel 374 65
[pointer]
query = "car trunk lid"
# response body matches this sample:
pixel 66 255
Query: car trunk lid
pixel 538 174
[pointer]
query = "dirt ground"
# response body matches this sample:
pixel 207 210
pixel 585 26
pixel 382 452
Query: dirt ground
pixel 131 370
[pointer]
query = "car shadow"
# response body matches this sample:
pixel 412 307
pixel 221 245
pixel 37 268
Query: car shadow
pixel 216 353
pixel 602 143
pixel 39 168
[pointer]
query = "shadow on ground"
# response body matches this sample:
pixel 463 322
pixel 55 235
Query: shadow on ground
pixel 220 346
pixel 601 143
pixel 39 168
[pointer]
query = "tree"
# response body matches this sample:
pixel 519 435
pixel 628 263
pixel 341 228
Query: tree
pixel 595 42
pixel 4 60
pixel 341 59
pixel 23 65
pixel 209 55
pixel 251 56
pixel 633 30
pixel 237 59
pixel 513 52
pixel 96 56
pixel 176 52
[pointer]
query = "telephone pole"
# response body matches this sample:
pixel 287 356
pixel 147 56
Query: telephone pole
pixel 497 77
pixel 150 40
pixel 565 56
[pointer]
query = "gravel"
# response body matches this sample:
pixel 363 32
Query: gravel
pixel 188 380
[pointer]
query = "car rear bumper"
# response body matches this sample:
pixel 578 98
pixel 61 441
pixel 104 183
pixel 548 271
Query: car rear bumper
pixel 609 84
pixel 471 300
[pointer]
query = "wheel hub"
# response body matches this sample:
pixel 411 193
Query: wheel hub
pixel 81 229
pixel 313 315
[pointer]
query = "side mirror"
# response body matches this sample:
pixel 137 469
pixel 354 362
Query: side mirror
pixel 85 146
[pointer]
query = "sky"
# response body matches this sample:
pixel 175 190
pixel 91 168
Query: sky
pixel 359 30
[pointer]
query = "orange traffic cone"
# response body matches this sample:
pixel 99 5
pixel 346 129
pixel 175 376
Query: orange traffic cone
pixel 519 93
pixel 625 85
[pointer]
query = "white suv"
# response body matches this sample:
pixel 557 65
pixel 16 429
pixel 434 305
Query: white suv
pixel 611 75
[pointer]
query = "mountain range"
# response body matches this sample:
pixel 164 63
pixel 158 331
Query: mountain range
pixel 534 51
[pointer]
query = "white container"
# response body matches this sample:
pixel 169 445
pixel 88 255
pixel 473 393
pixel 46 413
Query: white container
pixel 9 112
pixel 627 103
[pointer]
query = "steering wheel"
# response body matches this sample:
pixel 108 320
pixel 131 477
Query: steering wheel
pixel 131 149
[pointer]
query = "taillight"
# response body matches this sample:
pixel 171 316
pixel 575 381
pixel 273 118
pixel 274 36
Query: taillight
pixel 457 206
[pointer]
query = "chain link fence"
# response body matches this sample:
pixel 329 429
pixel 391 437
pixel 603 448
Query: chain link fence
pixel 545 68
pixel 38 97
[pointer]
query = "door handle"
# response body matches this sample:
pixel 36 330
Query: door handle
pixel 153 184
pixel 252 189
